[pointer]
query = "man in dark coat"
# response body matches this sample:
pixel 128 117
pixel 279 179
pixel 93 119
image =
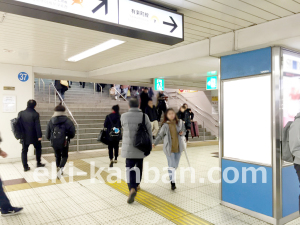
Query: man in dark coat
pixel 144 99
pixel 32 133
pixel 152 113
pixel 161 104
pixel 61 89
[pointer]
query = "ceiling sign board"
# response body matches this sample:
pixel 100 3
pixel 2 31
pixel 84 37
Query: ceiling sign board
pixel 105 10
pixel 130 18
pixel 146 17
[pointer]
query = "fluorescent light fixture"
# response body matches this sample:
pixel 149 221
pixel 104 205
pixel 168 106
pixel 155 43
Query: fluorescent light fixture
pixel 93 51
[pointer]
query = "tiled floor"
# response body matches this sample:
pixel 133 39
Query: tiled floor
pixel 84 202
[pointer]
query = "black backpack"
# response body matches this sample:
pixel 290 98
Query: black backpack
pixel 115 132
pixel 59 138
pixel 142 138
pixel 17 128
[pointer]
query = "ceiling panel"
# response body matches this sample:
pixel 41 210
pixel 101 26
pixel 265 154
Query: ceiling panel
pixel 237 4
pixel 201 23
pixel 228 10
pixel 290 5
pixel 269 7
pixel 206 11
pixel 41 43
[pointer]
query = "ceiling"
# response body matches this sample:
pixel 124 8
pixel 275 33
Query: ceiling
pixel 47 44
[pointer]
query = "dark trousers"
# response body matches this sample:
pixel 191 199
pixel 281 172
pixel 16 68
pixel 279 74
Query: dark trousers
pixel 61 156
pixel 83 84
pixel 4 202
pixel 113 146
pixel 134 175
pixel 161 108
pixel 38 152
pixel 187 135
pixel 297 168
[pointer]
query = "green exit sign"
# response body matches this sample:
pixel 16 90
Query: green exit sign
pixel 212 73
pixel 159 84
pixel 212 83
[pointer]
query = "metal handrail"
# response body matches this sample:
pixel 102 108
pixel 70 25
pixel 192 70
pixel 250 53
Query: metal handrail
pixel 208 116
pixel 100 87
pixel 70 113
pixel 120 94
pixel 200 116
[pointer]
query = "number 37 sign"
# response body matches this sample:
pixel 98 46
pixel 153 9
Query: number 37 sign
pixel 23 76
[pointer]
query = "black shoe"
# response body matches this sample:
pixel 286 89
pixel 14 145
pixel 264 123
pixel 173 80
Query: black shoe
pixel 40 165
pixel 111 163
pixel 26 169
pixel 173 186
pixel 131 197
pixel 12 211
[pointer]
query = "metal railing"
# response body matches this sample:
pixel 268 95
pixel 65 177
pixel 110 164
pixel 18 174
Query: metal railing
pixel 56 92
pixel 120 94
pixel 100 88
pixel 40 79
pixel 203 117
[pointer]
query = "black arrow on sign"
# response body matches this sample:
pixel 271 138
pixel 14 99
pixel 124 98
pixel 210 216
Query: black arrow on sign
pixel 174 24
pixel 104 2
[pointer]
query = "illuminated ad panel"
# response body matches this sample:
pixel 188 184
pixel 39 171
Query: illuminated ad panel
pixel 247 119
pixel 290 86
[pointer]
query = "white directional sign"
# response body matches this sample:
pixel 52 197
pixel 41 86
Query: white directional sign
pixel 165 26
pixel 137 15
pixel 105 10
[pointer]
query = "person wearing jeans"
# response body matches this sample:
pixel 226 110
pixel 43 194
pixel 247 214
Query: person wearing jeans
pixel 6 208
pixel 172 133
pixel 134 157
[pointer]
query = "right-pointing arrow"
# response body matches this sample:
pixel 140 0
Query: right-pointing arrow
pixel 174 24
pixel 104 2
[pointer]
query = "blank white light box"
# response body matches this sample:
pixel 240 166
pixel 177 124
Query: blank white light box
pixel 247 119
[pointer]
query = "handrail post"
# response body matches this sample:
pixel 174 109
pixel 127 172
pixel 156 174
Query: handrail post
pixel 101 90
pixel 49 93
pixel 77 138
pixel 55 98
pixel 94 88
pixel 39 84
pixel 203 131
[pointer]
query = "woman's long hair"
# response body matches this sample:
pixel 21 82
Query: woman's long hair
pixel 166 117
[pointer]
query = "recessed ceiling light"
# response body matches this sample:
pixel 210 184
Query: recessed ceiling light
pixel 93 51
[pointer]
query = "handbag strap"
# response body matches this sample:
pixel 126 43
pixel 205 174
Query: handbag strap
pixel 114 125
pixel 144 122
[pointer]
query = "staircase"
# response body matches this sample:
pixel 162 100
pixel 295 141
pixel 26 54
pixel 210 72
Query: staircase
pixel 204 135
pixel 89 109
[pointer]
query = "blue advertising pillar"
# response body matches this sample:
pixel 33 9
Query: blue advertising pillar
pixel 255 180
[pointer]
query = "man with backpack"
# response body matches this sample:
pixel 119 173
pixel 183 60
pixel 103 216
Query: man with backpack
pixel 60 130
pixel 131 123
pixel 112 124
pixel 29 120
